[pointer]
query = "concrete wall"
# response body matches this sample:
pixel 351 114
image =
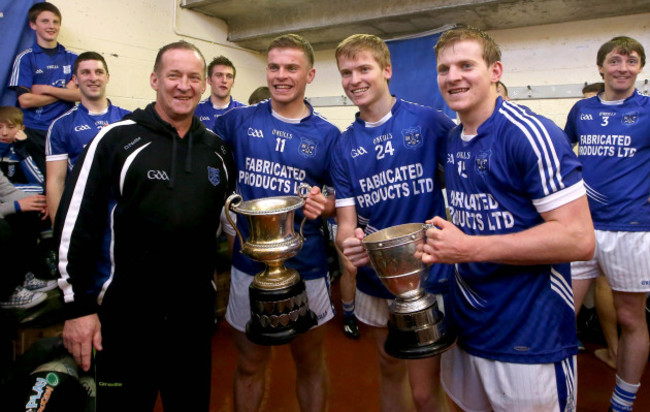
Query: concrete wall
pixel 130 32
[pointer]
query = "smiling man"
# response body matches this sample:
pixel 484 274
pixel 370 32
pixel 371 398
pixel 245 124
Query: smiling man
pixel 221 79
pixel 613 132
pixel 268 139
pixel 70 133
pixel 518 209
pixel 137 239
pixel 388 134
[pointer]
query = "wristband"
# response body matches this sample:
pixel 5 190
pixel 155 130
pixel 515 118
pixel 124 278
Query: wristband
pixel 17 206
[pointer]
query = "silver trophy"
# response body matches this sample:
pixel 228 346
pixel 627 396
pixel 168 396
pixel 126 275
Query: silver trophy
pixel 417 328
pixel 278 299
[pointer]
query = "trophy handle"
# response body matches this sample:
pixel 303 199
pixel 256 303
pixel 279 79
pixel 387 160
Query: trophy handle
pixel 303 192
pixel 233 200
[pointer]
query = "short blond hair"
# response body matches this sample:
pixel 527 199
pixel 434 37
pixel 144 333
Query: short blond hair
pixel 491 50
pixel 11 114
pixel 357 43
pixel 293 41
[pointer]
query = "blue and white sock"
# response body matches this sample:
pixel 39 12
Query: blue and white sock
pixel 348 308
pixel 623 396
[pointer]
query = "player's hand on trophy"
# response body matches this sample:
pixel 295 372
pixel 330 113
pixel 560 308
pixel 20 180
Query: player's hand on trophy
pixel 353 249
pixel 445 243
pixel 315 203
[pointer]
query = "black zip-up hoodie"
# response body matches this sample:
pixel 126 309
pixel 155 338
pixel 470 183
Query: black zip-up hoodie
pixel 138 219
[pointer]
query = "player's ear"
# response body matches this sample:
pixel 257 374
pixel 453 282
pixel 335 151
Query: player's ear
pixel 496 71
pixel 310 75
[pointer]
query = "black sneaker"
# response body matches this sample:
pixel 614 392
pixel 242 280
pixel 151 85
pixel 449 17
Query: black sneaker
pixel 350 327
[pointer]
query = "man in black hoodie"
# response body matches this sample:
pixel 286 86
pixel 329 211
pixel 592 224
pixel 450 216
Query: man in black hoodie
pixel 137 228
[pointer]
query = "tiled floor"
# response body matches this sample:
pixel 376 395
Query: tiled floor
pixel 353 375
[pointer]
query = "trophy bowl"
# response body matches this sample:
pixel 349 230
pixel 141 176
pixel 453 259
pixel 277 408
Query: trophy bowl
pixel 416 326
pixel 278 299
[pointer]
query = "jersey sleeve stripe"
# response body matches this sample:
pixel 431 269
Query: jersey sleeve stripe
pixel 15 74
pixel 54 158
pixel 538 137
pixel 31 188
pixel 34 170
pixel 344 202
pixel 74 209
pixel 595 196
pixel 470 296
pixel 559 286
pixel 561 198
pixel 48 144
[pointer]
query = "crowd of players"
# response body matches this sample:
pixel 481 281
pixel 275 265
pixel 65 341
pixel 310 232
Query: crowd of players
pixel 135 201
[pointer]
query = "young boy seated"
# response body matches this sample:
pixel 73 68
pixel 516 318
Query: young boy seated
pixel 16 163
pixel 23 216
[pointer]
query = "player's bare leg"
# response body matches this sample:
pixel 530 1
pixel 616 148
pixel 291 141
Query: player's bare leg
pixel 394 389
pixel 427 391
pixel 604 302
pixel 250 375
pixel 312 381
pixel 633 343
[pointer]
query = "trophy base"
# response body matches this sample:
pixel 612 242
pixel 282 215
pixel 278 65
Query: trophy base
pixel 418 335
pixel 277 316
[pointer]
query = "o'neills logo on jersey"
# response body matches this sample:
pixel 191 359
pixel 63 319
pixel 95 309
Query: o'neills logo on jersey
pixel 255 133
pixel 157 175
pixel 81 127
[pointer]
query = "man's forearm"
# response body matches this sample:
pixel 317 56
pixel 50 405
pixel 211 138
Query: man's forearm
pixel 31 100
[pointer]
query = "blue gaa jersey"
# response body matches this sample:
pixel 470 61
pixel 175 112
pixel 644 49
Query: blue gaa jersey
pixel 20 169
pixel 614 149
pixel 518 166
pixel 208 113
pixel 387 170
pixel 70 133
pixel 274 155
pixel 35 66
